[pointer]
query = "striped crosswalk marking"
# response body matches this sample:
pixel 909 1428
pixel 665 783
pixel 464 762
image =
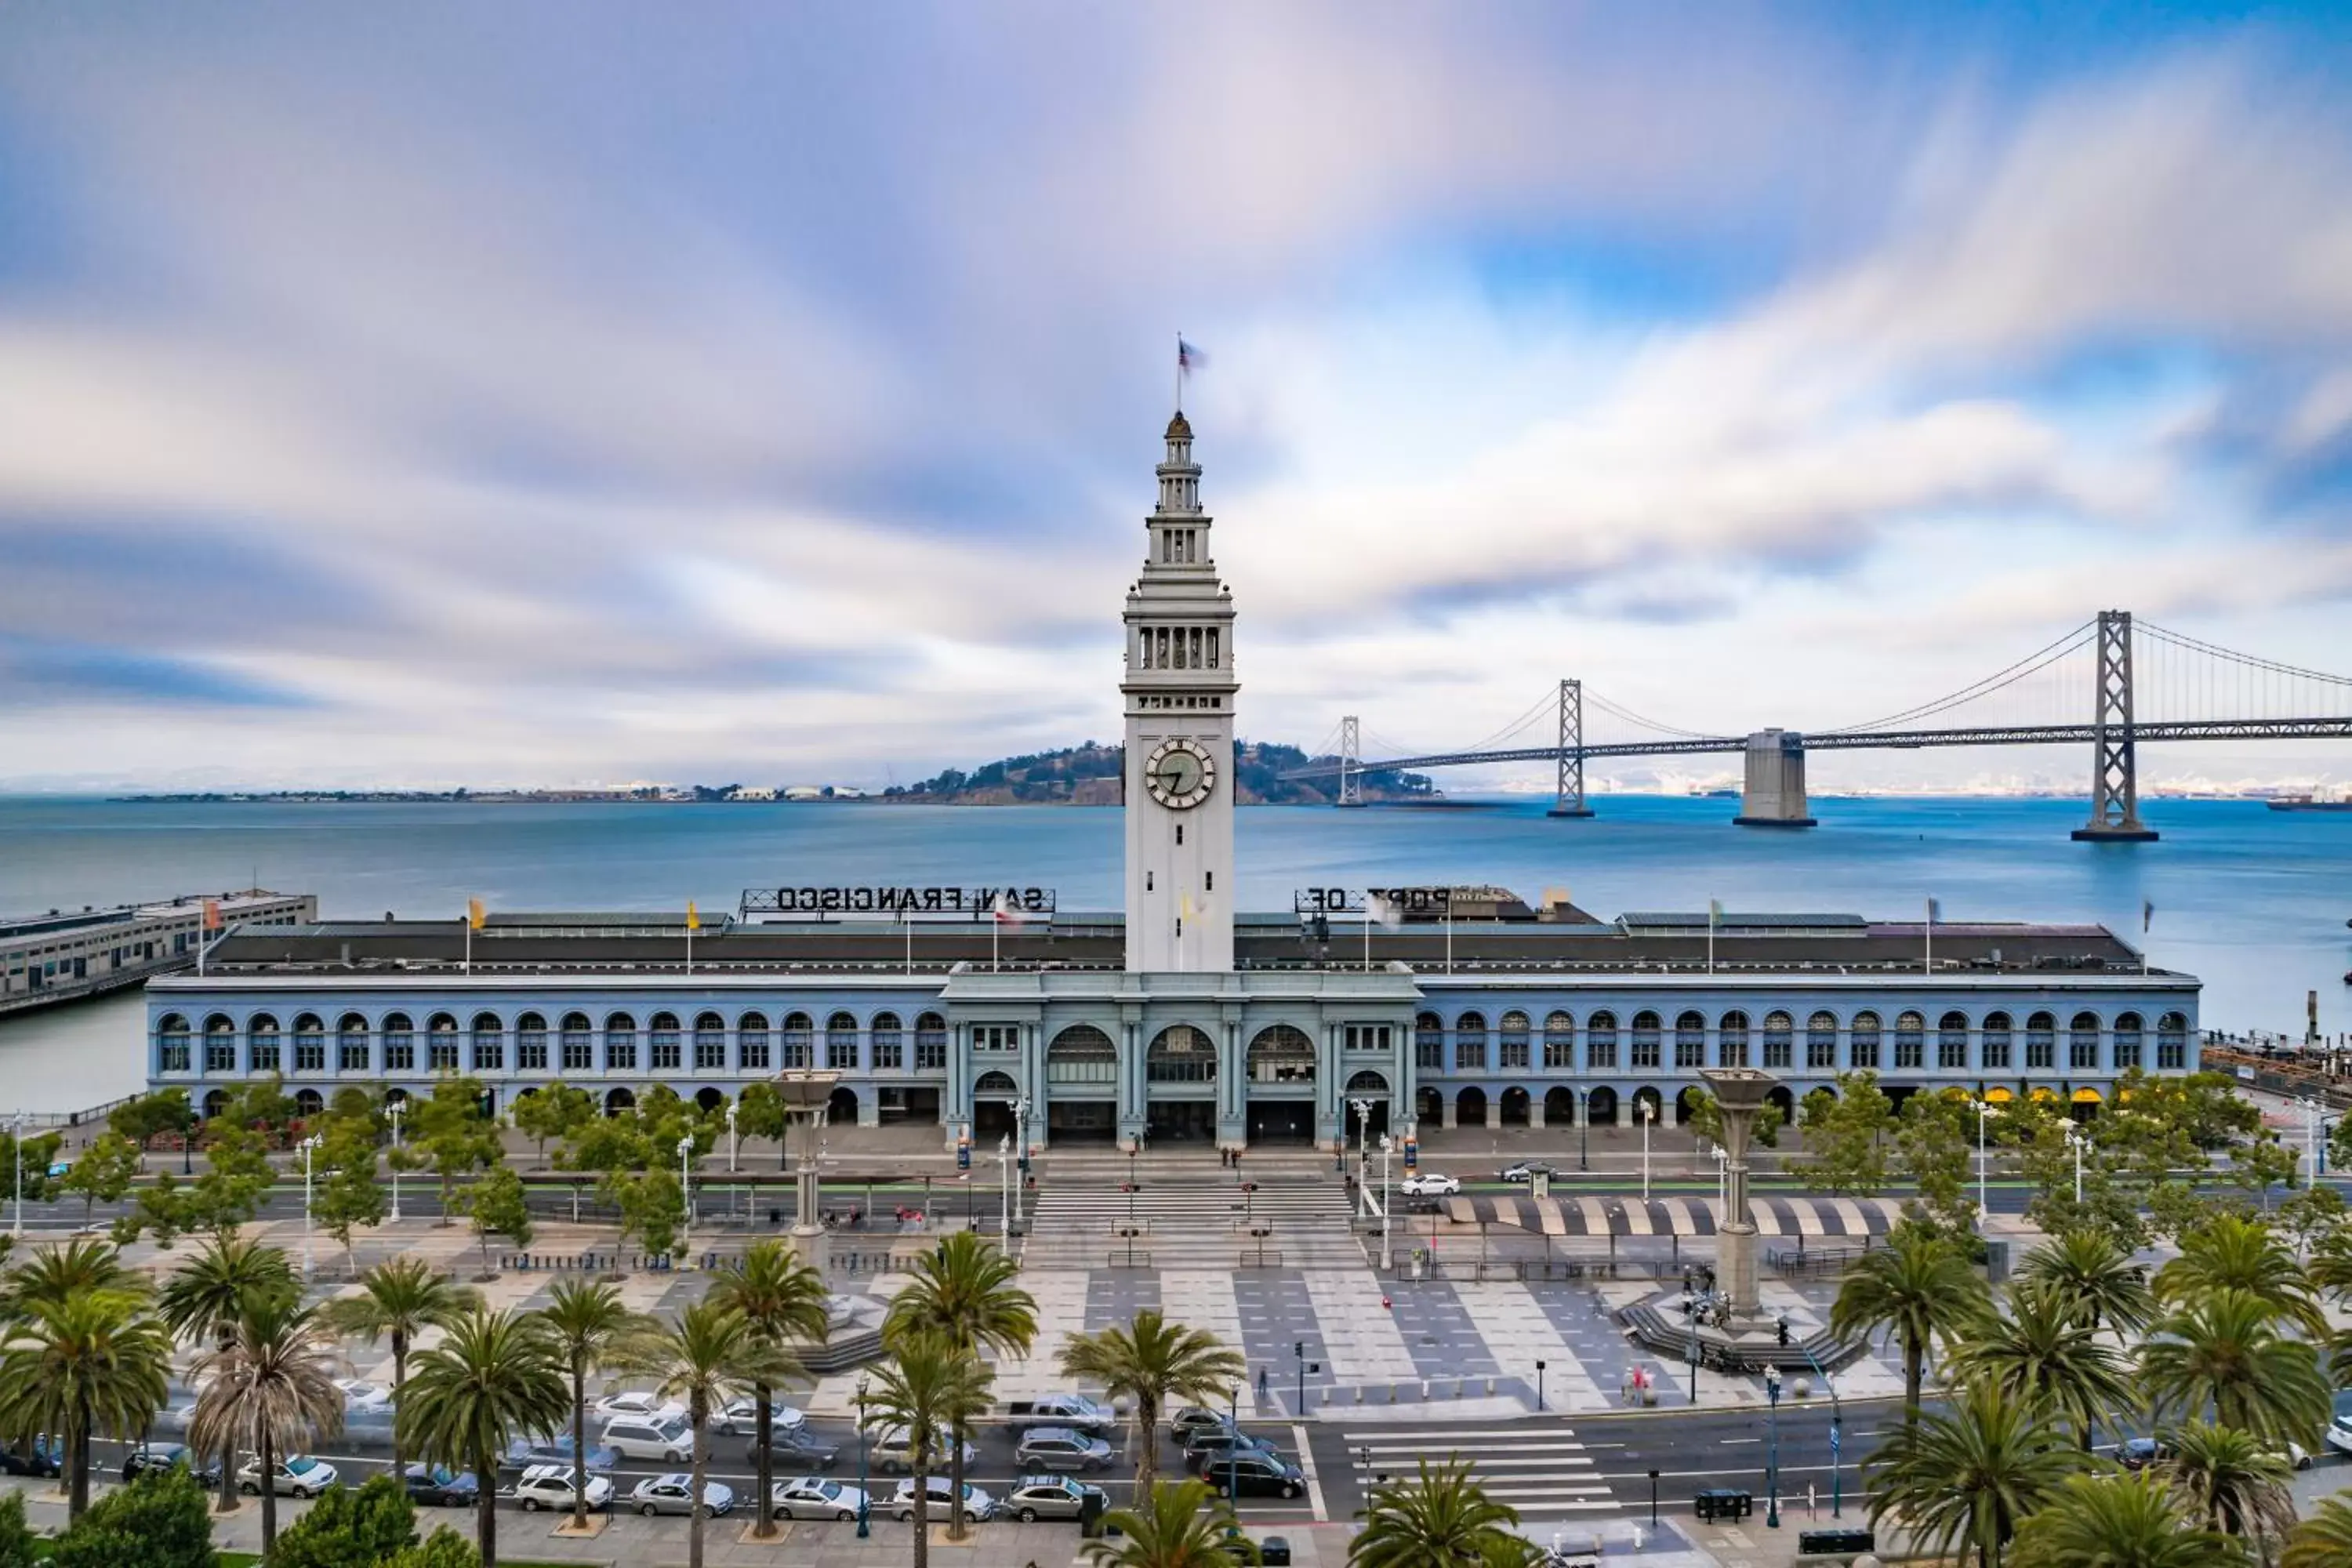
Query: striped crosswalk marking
pixel 1543 1471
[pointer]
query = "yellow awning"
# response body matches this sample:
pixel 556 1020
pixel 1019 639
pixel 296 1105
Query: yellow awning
pixel 2040 1092
pixel 2086 1096
pixel 1998 1096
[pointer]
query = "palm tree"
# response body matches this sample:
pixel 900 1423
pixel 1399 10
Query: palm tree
pixel 2323 1541
pixel 272 1389
pixel 206 1296
pixel 2238 1252
pixel 932 1384
pixel 964 1289
pixel 60 1273
pixel 712 1354
pixel 2096 1277
pixel 1185 1525
pixel 2223 1352
pixel 2043 1349
pixel 1440 1518
pixel 1965 1476
pixel 588 1324
pixel 399 1301
pixel 2331 1263
pixel 2232 1483
pixel 493 1377
pixel 2117 1521
pixel 782 1300
pixel 1919 1287
pixel 94 1362
pixel 1149 1362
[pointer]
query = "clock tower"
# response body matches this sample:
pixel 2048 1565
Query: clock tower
pixel 1179 687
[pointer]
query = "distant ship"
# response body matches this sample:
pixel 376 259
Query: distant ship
pixel 2310 803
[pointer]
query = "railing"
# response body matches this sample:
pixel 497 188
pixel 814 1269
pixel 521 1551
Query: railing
pixel 72 1117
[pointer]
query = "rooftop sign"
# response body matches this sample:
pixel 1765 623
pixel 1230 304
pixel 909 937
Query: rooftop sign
pixel 897 902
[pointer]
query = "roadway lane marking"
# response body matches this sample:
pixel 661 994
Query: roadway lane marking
pixel 1314 1485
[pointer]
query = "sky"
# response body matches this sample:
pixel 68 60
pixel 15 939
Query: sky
pixel 548 393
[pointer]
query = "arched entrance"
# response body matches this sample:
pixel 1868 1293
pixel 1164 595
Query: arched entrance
pixel 1470 1108
pixel 1428 1105
pixel 1560 1107
pixel 1280 1065
pixel 991 1108
pixel 1081 1087
pixel 1600 1107
pixel 2084 1106
pixel 1372 1088
pixel 1180 1072
pixel 1651 1099
pixel 216 1102
pixel 619 1100
pixel 841 1107
pixel 1685 1105
pixel 708 1100
pixel 1782 1100
pixel 307 1103
pixel 1514 1107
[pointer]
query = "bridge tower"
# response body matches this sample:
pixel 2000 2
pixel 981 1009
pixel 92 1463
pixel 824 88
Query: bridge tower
pixel 1351 762
pixel 1568 798
pixel 1775 791
pixel 2114 765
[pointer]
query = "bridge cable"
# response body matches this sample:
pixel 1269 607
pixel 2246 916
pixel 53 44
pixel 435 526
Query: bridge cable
pixel 2040 658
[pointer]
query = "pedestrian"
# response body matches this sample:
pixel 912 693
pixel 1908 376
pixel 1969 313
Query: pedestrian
pixel 1261 1385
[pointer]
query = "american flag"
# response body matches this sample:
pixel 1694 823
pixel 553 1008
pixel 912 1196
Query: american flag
pixel 1190 358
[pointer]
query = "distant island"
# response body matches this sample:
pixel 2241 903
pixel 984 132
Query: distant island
pixel 1088 774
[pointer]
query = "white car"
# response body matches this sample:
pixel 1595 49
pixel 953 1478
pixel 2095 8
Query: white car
pixel 978 1506
pixel 361 1397
pixel 1431 1185
pixel 2339 1433
pixel 742 1416
pixel 637 1402
pixel 892 1451
pixel 812 1496
pixel 668 1441
pixel 297 1475
pixel 550 1486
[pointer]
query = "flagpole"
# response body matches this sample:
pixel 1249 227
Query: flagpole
pixel 1180 373
pixel 469 941
pixel 1930 965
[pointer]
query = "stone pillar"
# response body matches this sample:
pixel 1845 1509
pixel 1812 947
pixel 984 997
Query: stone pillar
pixel 1446 1111
pixel 805 1094
pixel 1536 1109
pixel 1775 792
pixel 1740 1092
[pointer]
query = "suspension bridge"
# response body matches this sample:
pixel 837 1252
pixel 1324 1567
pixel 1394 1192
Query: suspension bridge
pixel 2111 683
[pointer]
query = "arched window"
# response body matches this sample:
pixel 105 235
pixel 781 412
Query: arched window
pixel 1559 1044
pixel 172 1050
pixel 1690 1041
pixel 796 1042
pixel 1281 1054
pixel 351 1044
pixel 1910 1042
pixel 620 1043
pixel 752 1041
pixel 890 1051
pixel 1779 1040
pixel 709 1043
pixel 841 1043
pixel 530 1043
pixel 441 1043
pixel 1731 1040
pixel 1511 1043
pixel 1996 1042
pixel 310 1043
pixel 1646 1030
pixel 1082 1054
pixel 1952 1042
pixel 261 1042
pixel 1864 1050
pixel 2127 1043
pixel 399 1043
pixel 578 1043
pixel 662 1036
pixel 1470 1043
pixel 2172 1042
pixel 930 1043
pixel 2083 1043
pixel 1181 1054
pixel 1428 1043
pixel 1601 1042
pixel 490 1043
pixel 2040 1043
pixel 1820 1042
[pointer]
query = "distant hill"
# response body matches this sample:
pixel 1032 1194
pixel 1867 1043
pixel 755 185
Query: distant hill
pixel 1090 775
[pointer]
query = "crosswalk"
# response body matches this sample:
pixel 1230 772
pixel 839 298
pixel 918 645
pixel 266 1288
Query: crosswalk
pixel 1542 1471
pixel 1198 1223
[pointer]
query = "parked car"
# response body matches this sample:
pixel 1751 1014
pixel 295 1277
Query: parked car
pixel 1208 1447
pixel 2297 1457
pixel 812 1497
pixel 978 1506
pixel 1255 1473
pixel 2339 1433
pixel 668 1442
pixel 43 1455
pixel 2139 1453
pixel 744 1416
pixel 525 1452
pixel 675 1494
pixel 1431 1185
pixel 295 1475
pixel 796 1448
pixel 437 1486
pixel 1194 1418
pixel 891 1451
pixel 361 1397
pixel 1073 1411
pixel 1033 1498
pixel 636 1403
pixel 552 1486
pixel 1524 1171
pixel 1057 1448
pixel 145 1456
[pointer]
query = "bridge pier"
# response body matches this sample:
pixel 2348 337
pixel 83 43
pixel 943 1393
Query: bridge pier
pixel 1775 791
pixel 1351 763
pixel 2115 758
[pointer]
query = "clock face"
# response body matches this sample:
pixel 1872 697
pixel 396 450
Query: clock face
pixel 1180 774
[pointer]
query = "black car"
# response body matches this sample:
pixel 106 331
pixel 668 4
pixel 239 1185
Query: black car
pixel 43 1455
pixel 437 1486
pixel 1205 1449
pixel 1257 1473
pixel 797 1449
pixel 159 1456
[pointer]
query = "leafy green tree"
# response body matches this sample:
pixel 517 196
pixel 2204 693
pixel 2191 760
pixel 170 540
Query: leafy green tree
pixel 496 1206
pixel 454 1136
pixel 557 1110
pixel 494 1377
pixel 2264 1163
pixel 38 1154
pixel 2223 1352
pixel 2311 1216
pixel 965 1290
pixel 351 1196
pixel 2118 1521
pixel 444 1548
pixel 17 1536
pixel 260 1105
pixel 1935 1141
pixel 2232 1483
pixel 1920 1289
pixel 1845 1136
pixel 103 1173
pixel 706 1358
pixel 351 1529
pixel 397 1301
pixel 149 1117
pixel 1150 1362
pixel 161 1210
pixel 1965 1476
pixel 206 1297
pixel 1182 1525
pixel 358 1107
pixel 759 1113
pixel 1439 1518
pixel 588 1327
pixel 2324 1540
pixel 238 1175
pixel 271 1391
pixel 2097 1279
pixel 782 1300
pixel 1706 1120
pixel 652 1206
pixel 2041 1352
pixel 95 1362
pixel 2238 1252
pixel 156 1522
pixel 932 1385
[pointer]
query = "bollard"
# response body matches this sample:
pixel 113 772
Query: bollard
pixel 1391 1394
pixel 1490 1385
pixel 1360 1394
pixel 1424 1388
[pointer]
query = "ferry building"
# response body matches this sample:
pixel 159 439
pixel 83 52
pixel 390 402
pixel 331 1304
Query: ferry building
pixel 988 1010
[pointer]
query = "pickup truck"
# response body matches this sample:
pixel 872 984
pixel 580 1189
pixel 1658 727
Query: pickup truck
pixel 1074 1411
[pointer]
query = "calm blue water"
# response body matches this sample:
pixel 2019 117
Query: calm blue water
pixel 2254 901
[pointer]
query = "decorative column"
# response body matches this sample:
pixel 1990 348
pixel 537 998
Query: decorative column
pixel 1740 1092
pixel 804 1093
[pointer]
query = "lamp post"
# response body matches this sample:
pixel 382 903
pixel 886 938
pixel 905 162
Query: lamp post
pixel 1649 1113
pixel 1363 1138
pixel 686 1190
pixel 1654 1500
pixel 16 1142
pixel 1984 1203
pixel 1584 1130
pixel 731 1138
pixel 1540 1372
pixel 2076 1139
pixel 1772 1465
pixel 1130 1184
pixel 308 1146
pixel 395 1111
pixel 864 1508
pixel 1004 1186
pixel 1722 1165
pixel 1021 1133
pixel 1388 1255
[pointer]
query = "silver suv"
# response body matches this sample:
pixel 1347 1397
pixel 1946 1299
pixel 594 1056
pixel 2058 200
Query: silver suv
pixel 1060 1450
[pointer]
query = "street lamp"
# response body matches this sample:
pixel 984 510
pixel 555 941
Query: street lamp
pixel 16 1141
pixel 731 1138
pixel 864 1508
pixel 1649 1114
pixel 1021 1133
pixel 1540 1372
pixel 1772 1466
pixel 2076 1137
pixel 1388 1255
pixel 1584 1130
pixel 1363 1137
pixel 686 1190
pixel 1985 1113
pixel 308 1146
pixel 1722 1178
pixel 394 1110
pixel 1004 1186
pixel 1131 1183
